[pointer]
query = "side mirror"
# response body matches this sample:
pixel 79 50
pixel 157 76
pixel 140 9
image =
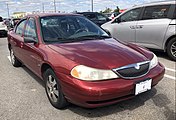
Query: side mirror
pixel 30 40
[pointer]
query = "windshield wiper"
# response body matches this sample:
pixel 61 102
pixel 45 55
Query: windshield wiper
pixel 90 37
pixel 76 39
pixel 59 39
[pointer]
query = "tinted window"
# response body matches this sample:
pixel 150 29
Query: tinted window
pixel 90 16
pixel 30 30
pixel 131 15
pixel 20 27
pixel 156 12
pixel 101 17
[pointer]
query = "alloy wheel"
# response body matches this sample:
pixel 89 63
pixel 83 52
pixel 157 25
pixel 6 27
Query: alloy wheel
pixel 52 89
pixel 173 49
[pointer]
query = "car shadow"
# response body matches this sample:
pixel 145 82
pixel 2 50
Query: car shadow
pixel 130 105
pixel 162 101
pixel 35 77
pixel 161 54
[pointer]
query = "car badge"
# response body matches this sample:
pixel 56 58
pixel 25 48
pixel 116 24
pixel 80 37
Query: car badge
pixel 137 66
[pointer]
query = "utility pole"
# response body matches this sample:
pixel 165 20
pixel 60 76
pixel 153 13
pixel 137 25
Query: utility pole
pixel 43 7
pixel 92 4
pixel 8 10
pixel 54 6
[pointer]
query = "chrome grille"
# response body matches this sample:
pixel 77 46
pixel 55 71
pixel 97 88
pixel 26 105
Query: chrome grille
pixel 133 70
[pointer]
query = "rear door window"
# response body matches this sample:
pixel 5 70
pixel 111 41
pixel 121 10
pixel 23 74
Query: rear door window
pixel 20 27
pixel 156 12
pixel 101 17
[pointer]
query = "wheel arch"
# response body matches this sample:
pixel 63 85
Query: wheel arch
pixel 44 67
pixel 165 47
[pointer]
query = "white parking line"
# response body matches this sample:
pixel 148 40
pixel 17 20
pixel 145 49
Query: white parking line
pixel 167 76
pixel 169 69
pixel 170 77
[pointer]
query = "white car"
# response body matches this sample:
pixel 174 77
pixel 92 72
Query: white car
pixel 3 28
pixel 152 25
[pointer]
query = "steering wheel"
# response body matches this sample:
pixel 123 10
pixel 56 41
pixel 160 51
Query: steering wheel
pixel 80 30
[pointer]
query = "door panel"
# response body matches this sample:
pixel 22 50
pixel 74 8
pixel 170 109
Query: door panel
pixel 153 25
pixel 16 42
pixel 124 27
pixel 32 57
pixel 17 39
pixel 30 51
pixel 150 33
pixel 124 31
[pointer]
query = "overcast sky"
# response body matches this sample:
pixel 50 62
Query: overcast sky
pixel 64 5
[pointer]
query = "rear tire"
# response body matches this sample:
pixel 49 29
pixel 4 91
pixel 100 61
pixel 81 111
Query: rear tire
pixel 53 90
pixel 171 49
pixel 15 62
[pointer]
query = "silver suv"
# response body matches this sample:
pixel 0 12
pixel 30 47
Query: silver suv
pixel 151 25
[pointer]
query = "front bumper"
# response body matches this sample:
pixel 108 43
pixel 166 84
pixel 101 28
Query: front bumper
pixel 102 93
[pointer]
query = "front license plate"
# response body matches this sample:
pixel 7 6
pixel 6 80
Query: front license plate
pixel 143 86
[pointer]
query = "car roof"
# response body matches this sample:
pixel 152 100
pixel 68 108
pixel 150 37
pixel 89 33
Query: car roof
pixel 149 4
pixel 156 3
pixel 87 12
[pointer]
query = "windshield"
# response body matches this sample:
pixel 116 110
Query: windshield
pixel 70 29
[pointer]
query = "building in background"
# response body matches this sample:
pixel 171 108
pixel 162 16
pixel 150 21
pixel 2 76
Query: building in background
pixel 18 14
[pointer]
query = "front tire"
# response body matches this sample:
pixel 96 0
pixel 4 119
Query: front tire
pixel 15 62
pixel 171 49
pixel 53 90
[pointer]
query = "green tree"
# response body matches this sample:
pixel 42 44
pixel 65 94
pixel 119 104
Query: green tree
pixel 107 10
pixel 117 10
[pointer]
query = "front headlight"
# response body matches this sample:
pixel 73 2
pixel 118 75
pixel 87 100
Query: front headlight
pixel 154 61
pixel 92 74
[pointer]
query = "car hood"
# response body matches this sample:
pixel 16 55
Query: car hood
pixel 102 54
pixel 105 25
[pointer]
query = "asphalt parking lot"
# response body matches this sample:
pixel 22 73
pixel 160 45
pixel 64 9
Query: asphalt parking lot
pixel 22 97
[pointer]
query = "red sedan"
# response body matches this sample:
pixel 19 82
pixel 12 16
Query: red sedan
pixel 79 62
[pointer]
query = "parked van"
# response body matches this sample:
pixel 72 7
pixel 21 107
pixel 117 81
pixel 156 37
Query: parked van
pixel 151 25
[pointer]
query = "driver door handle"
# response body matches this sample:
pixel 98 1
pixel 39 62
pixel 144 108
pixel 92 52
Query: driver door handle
pixel 139 26
pixel 132 27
